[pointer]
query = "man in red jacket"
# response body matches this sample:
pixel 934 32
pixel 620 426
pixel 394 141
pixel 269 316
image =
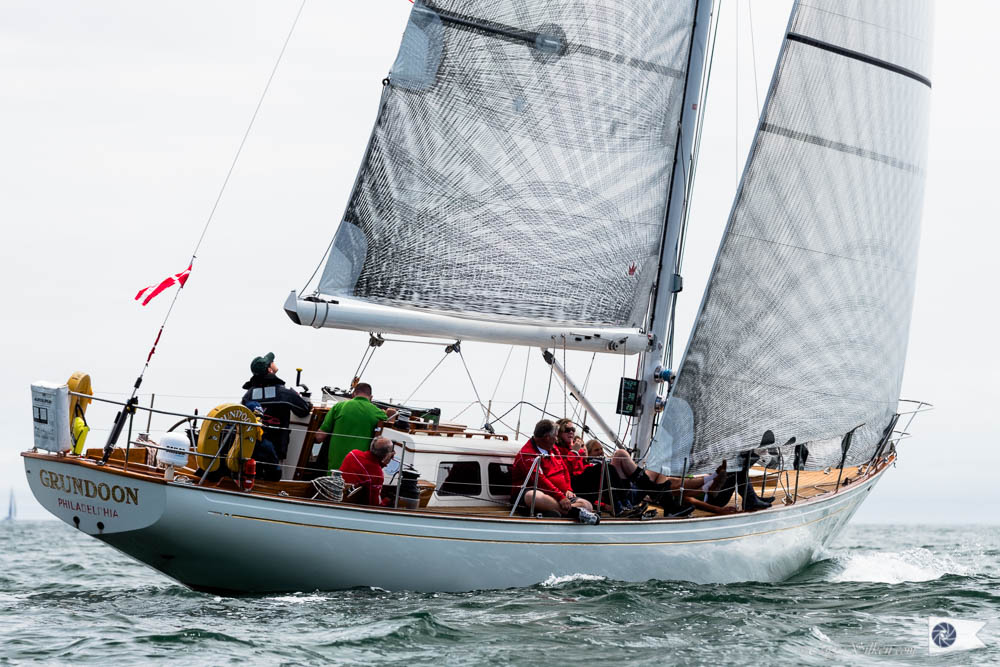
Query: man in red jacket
pixel 364 469
pixel 554 494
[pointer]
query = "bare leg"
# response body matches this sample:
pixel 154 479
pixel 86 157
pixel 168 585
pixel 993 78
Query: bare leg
pixel 585 504
pixel 626 467
pixel 543 502
pixel 623 464
pixel 698 504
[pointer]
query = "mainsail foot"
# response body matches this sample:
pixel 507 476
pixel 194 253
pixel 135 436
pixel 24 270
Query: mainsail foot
pixel 360 316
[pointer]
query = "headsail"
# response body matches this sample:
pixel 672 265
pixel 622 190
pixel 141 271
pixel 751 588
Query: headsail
pixel 804 324
pixel 520 163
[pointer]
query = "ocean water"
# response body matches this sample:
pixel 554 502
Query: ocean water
pixel 66 598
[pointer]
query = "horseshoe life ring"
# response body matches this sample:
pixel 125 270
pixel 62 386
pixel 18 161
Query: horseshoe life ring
pixel 214 434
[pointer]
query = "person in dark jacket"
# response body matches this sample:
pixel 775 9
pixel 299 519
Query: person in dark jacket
pixel 277 402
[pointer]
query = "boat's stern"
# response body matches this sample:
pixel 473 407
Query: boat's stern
pixel 95 499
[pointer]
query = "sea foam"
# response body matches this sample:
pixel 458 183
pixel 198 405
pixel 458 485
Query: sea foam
pixel 554 580
pixel 892 567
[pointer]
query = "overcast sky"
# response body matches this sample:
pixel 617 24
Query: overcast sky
pixel 118 124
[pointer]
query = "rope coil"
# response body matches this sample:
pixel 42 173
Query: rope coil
pixel 330 488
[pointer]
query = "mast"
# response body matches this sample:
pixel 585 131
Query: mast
pixel 668 282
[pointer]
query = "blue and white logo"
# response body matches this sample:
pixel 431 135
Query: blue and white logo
pixel 945 635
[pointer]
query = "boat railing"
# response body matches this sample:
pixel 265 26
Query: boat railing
pixel 408 449
pixel 920 407
pixel 190 419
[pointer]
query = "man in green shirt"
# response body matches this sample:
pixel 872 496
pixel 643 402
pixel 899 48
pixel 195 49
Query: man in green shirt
pixel 352 424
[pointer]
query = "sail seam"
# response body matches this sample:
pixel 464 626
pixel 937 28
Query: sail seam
pixel 821 252
pixel 842 147
pixel 758 383
pixel 857 55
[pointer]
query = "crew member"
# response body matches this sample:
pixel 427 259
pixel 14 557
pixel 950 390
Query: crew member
pixel 277 402
pixel 352 424
pixel 364 468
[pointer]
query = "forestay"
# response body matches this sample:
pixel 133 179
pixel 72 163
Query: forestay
pixel 804 324
pixel 520 163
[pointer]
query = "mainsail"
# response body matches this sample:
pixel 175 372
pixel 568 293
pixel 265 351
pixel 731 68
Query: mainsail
pixel 804 324
pixel 520 163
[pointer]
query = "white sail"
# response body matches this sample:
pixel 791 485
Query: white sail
pixel 520 164
pixel 804 324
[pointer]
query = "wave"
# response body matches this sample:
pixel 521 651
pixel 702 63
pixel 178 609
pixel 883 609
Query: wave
pixel 895 567
pixel 298 598
pixel 554 580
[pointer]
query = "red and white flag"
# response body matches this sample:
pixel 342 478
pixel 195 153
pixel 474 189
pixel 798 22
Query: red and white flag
pixel 153 290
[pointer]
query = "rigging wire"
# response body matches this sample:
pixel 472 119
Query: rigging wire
pixel 462 412
pixel 736 106
pixel 246 134
pixel 502 371
pixel 565 384
pixel 524 385
pixel 578 406
pixel 426 377
pixel 753 54
pixel 253 117
pixel 549 389
pixel 365 358
pixel 486 411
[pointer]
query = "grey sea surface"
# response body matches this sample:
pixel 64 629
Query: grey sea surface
pixel 66 598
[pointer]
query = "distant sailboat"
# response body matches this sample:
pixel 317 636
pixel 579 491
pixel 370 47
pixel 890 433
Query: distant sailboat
pixel 12 508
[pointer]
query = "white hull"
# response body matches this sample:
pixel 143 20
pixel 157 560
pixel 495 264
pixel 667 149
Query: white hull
pixel 230 542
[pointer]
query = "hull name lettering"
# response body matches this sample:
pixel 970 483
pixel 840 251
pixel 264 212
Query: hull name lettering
pixel 127 495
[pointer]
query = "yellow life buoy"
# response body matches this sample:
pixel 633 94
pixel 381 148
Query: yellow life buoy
pixel 79 382
pixel 213 434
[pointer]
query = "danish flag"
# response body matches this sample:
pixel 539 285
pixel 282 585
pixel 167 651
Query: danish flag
pixel 152 291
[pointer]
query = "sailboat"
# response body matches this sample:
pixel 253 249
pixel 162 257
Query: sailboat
pixel 514 142
pixel 11 508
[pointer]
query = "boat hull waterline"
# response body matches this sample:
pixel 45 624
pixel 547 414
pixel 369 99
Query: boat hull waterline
pixel 228 542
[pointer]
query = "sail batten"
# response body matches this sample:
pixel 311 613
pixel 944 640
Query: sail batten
pixel 519 168
pixel 804 324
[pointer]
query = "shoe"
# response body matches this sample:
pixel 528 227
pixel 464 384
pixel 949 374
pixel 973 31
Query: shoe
pixel 587 517
pixel 755 504
pixel 634 512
